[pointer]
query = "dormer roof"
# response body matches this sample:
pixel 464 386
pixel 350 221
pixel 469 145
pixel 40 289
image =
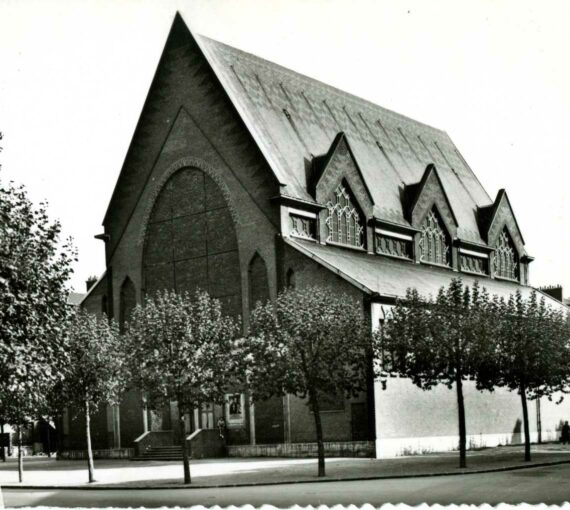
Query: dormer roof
pixel 422 196
pixel 494 218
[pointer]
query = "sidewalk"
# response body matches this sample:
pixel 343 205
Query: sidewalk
pixel 43 472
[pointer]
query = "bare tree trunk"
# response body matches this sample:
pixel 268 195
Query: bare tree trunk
pixel 313 399
pixel 48 441
pixel 90 467
pixel 20 455
pixel 185 457
pixel 526 426
pixel 3 449
pixel 461 413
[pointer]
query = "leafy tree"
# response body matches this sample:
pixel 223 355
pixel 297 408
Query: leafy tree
pixel 34 271
pixel 182 348
pixel 95 374
pixel 308 343
pixel 440 341
pixel 533 351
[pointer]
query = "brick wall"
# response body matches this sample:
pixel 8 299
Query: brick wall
pixel 194 189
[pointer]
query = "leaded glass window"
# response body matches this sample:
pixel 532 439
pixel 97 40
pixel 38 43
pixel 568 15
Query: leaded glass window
pixel 434 244
pixel 344 222
pixel 302 226
pixel 505 260
pixel 473 264
pixel 396 247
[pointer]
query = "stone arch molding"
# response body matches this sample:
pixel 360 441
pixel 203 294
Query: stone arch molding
pixel 188 161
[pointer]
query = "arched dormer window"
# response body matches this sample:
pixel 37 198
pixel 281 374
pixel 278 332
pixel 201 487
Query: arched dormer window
pixel 434 241
pixel 505 261
pixel 344 221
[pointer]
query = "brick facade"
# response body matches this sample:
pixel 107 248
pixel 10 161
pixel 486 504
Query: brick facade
pixel 228 168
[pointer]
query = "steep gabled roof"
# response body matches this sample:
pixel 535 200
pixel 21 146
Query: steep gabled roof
pixel 294 118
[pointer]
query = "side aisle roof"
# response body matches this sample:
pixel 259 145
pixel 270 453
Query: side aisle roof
pixel 389 278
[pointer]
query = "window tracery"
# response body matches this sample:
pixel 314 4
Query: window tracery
pixel 343 221
pixel 434 244
pixel 302 226
pixel 505 260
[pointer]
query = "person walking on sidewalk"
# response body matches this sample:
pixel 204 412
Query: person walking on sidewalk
pixel 565 437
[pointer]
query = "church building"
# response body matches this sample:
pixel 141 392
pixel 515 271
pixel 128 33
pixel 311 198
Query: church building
pixel 244 177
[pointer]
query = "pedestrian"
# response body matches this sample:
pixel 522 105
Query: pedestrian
pixel 565 437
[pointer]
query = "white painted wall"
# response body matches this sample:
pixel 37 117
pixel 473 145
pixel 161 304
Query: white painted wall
pixel 412 421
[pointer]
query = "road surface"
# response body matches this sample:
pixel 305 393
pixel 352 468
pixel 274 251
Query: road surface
pixel 536 485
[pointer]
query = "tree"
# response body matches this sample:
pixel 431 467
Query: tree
pixel 439 341
pixel 308 343
pixel 533 351
pixel 95 374
pixel 182 348
pixel 34 271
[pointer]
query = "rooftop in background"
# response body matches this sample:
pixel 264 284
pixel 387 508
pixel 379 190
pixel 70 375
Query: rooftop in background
pixel 75 298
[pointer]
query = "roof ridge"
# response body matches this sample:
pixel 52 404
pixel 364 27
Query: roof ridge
pixel 338 90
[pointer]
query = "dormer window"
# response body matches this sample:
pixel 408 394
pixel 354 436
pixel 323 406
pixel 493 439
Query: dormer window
pixel 434 241
pixel 344 221
pixel 505 262
pixel 303 224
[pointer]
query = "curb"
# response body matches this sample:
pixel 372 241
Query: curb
pixel 287 482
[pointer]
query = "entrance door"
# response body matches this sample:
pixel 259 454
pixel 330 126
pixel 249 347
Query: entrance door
pixel 359 423
pixel 269 421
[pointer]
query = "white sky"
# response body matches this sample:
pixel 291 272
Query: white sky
pixel 493 74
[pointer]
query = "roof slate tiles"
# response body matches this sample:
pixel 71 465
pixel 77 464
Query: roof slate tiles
pixel 294 118
pixel 390 278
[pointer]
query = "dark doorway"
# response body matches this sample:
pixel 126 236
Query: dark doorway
pixel 358 421
pixel 269 421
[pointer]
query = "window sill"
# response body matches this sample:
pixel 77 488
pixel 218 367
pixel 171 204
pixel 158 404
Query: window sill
pixel 312 239
pixel 475 273
pixel 395 257
pixel 506 279
pixel 348 246
pixel 435 264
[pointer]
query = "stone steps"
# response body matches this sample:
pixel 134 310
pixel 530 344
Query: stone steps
pixel 161 453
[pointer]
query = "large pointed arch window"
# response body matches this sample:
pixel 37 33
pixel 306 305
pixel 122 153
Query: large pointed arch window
pixel 505 262
pixel 344 221
pixel 434 241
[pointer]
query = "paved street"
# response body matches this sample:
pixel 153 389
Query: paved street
pixel 548 485
pixel 51 473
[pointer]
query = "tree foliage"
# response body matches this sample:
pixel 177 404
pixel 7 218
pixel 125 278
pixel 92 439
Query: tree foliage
pixel 34 271
pixel 439 341
pixel 519 344
pixel 532 353
pixel 182 348
pixel 95 374
pixel 308 343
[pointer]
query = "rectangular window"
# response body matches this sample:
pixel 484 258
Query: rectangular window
pixel 393 244
pixel 303 226
pixel 235 409
pixel 473 261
